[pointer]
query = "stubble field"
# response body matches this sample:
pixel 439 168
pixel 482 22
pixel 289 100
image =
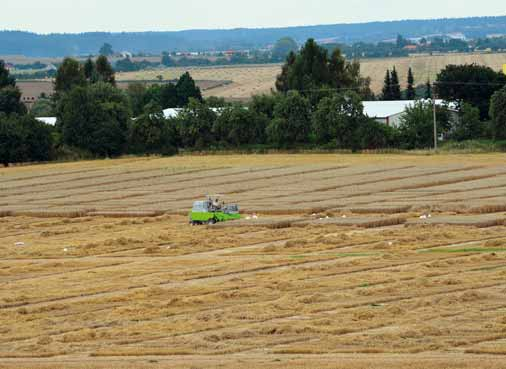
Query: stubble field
pixel 355 261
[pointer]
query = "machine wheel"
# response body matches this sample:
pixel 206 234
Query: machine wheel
pixel 211 221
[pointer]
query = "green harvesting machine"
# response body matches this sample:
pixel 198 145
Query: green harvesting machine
pixel 212 211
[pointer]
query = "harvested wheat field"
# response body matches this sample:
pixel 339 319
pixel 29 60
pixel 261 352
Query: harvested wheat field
pixel 248 80
pixel 355 261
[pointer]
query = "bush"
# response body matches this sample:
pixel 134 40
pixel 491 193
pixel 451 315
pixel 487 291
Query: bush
pixel 372 135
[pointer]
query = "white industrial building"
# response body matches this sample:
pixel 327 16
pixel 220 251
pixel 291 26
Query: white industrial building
pixel 50 121
pixel 390 112
pixel 174 112
pixel 387 112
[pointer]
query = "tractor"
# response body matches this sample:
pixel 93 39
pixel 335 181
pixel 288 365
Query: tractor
pixel 212 211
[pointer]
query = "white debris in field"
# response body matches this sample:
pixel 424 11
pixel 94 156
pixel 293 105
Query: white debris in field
pixel 248 218
pixel 429 216
pixel 19 244
pixel 344 217
pixel 255 216
pixel 390 244
pixel 327 217
pixel 65 250
pixel 313 215
pixel 423 217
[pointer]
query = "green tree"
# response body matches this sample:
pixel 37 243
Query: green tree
pixel 216 102
pixel 498 114
pixel 136 92
pixel 471 83
pixel 410 92
pixel 386 93
pixel 336 119
pixel 69 75
pixel 104 70
pixel 11 142
pixel 195 124
pixel 170 98
pixel 401 42
pixel 284 80
pixel 151 133
pixel 428 90
pixel 291 124
pixel 10 101
pixel 106 50
pixel 6 79
pixel 283 47
pixel 468 125
pixel 167 60
pixel 315 75
pixel 90 71
pixel 265 104
pixel 10 95
pixel 238 126
pixel 95 118
pixel 23 139
pixel 372 135
pixel 395 85
pixel 417 125
pixel 186 90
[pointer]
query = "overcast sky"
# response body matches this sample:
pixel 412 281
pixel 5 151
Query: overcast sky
pixel 45 16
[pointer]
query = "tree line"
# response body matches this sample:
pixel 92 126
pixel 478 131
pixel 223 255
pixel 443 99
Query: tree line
pixel 317 104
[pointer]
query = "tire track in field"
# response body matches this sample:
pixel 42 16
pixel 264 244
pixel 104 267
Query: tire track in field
pixel 71 171
pixel 368 182
pixel 77 179
pixel 115 181
pixel 367 172
pixel 136 186
pixel 74 270
pixel 237 181
pixel 213 278
pixel 52 175
pixel 223 308
pixel 139 185
pixel 424 185
pixel 315 314
pixel 217 277
pixel 240 191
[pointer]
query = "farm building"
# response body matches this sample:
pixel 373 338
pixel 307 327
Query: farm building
pixel 389 112
pixel 50 121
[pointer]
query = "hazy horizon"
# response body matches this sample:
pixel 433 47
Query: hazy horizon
pixel 60 16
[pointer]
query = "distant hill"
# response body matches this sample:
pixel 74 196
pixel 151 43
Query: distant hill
pixel 55 45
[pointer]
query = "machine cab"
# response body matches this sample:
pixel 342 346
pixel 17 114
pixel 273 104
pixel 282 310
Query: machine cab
pixel 200 207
